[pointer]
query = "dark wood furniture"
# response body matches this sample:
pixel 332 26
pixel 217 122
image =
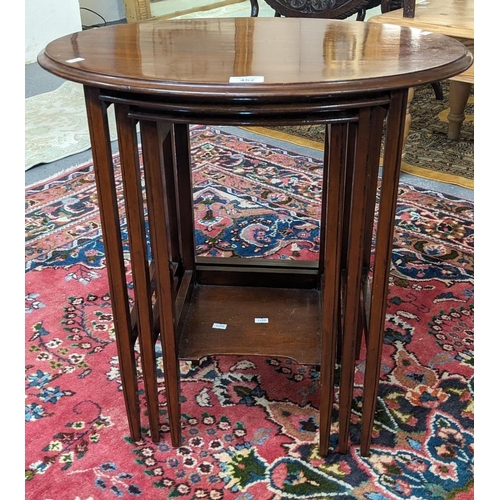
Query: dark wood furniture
pixel 327 9
pixel 165 75
pixel 332 9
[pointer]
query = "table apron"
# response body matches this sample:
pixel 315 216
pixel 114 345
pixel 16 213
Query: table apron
pixel 333 110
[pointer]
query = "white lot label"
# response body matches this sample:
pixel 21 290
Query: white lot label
pixel 219 326
pixel 262 320
pixel 246 79
pixel 76 59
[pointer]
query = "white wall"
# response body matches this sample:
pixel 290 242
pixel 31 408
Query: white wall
pixel 46 20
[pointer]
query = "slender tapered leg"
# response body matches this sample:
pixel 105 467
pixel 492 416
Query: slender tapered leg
pixel 352 137
pixel 113 246
pixel 373 168
pixel 326 163
pixel 369 121
pixel 134 205
pixel 184 186
pixel 333 182
pixel 156 189
pixel 383 251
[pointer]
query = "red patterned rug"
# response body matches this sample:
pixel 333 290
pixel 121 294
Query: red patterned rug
pixel 249 424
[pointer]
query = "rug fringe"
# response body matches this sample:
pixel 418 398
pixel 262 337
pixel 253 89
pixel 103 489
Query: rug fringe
pixel 62 172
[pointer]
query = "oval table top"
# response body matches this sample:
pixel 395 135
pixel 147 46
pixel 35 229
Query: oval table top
pixel 249 57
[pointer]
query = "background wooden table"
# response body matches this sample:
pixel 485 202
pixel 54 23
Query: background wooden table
pixel 453 18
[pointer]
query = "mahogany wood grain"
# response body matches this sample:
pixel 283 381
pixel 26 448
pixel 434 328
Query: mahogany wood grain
pixel 113 247
pixel 192 60
pixel 134 206
pixel 184 189
pixel 166 75
pixel 382 264
pixel 292 329
pixel 370 127
pixel 333 201
pixel 154 173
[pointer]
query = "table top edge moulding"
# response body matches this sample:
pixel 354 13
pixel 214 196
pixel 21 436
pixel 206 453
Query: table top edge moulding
pixel 162 76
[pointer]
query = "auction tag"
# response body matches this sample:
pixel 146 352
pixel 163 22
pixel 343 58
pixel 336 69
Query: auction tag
pixel 76 59
pixel 219 326
pixel 262 320
pixel 246 79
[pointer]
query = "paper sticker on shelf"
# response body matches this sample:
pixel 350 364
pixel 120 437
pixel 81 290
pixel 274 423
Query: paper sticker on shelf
pixel 76 59
pixel 262 320
pixel 246 79
pixel 219 326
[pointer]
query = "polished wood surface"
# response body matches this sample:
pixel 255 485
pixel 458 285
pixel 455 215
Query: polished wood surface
pixel 164 75
pixel 292 323
pixel 194 58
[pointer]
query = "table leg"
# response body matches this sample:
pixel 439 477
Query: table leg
pixel 383 252
pixel 134 206
pixel 333 182
pixel 113 247
pixel 365 169
pixel 373 168
pixel 459 93
pixel 351 154
pixel 158 223
pixel 172 228
pixel 184 188
pixel 326 161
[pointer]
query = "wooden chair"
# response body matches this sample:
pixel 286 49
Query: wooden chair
pixel 329 9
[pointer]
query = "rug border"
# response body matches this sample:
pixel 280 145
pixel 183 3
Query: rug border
pixel 407 168
pixel 62 173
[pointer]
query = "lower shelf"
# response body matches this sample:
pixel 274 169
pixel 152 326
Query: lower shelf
pixel 292 329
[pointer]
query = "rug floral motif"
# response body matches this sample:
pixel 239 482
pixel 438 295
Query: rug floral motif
pixel 249 424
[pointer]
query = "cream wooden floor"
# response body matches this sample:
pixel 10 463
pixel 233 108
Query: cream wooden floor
pixel 183 9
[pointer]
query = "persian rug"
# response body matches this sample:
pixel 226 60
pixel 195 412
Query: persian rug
pixel 428 152
pixel 56 125
pixel 249 424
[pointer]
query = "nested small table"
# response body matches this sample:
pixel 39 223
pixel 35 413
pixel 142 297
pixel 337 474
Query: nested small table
pixel 164 75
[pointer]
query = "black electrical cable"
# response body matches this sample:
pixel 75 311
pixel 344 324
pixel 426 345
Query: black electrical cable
pixel 97 14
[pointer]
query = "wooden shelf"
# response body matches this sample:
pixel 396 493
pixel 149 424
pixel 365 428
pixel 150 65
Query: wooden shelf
pixel 293 328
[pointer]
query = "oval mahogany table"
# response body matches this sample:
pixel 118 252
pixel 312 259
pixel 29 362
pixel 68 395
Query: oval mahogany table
pixel 164 75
